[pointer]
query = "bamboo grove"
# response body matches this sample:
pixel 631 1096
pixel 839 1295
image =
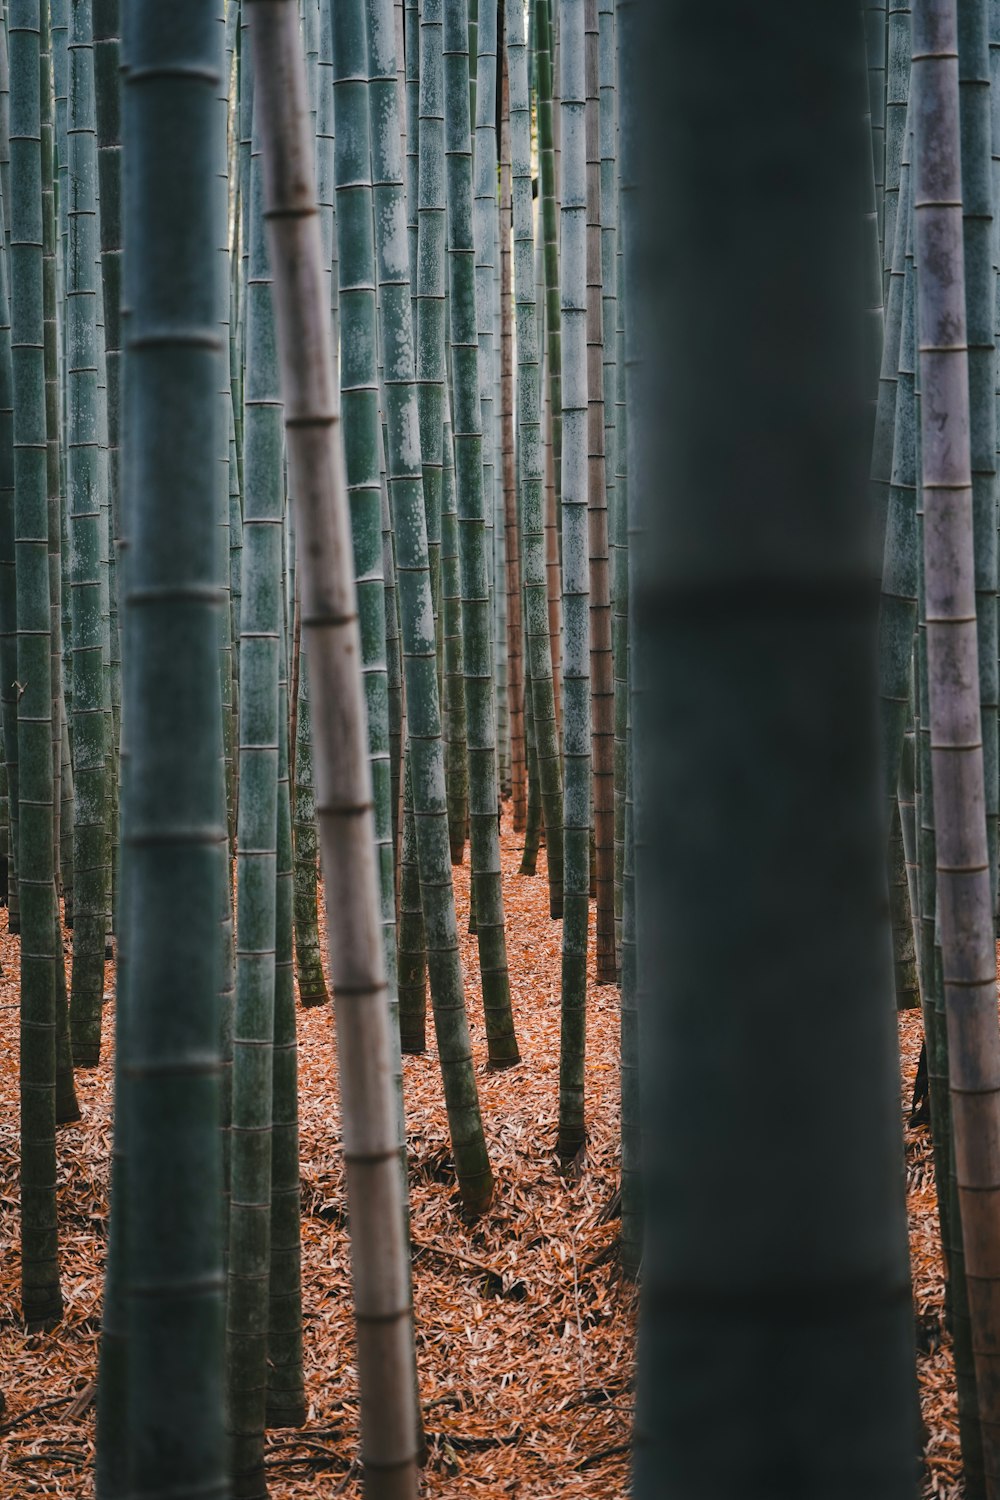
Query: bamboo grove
pixel 418 412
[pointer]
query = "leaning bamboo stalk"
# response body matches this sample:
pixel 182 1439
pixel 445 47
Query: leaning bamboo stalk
pixel 344 801
pixel 963 876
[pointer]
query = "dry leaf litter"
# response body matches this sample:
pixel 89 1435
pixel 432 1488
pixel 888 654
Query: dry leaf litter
pixel 525 1327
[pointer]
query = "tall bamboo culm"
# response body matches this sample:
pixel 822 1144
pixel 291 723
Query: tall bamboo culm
pixel 428 925
pixel 965 906
pixel 41 1298
pixel 576 582
pixel 261 626
pixel 371 1141
pixel 601 663
pixel 736 606
pixel 88 477
pixel 531 459
pixel 476 614
pixel 175 813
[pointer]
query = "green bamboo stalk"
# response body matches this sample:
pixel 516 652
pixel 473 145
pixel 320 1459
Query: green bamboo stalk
pixel 898 603
pixel 553 562
pixel 5 120
pixel 113 1441
pixel 5 856
pixel 484 839
pixel 312 983
pixel 228 690
pixel 601 661
pixel 429 286
pixel 8 585
pixel 874 13
pixel 175 811
pixel 260 729
pixel 370 1123
pixel 87 475
pixel 633 1207
pixel 425 753
pixel 224 299
pixel 485 161
pixel 576 585
pixel 894 485
pixel 411 49
pixel 548 190
pixel 543 717
pixel 965 904
pixel 107 82
pixel 533 826
pixel 613 351
pixel 41 950
pixel 473 53
pixel 359 396
pixel 727 1274
pixel 394 651
pixel 286 1399
pixel 457 760
pixel 412 941
pixel 511 584
pixel 896 95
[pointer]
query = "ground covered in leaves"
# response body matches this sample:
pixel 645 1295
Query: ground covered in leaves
pixel 525 1327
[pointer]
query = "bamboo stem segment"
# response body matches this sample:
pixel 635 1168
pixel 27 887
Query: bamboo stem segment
pixel 343 779
pixel 965 908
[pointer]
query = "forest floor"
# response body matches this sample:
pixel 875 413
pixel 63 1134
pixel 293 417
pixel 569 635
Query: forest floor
pixel 525 1326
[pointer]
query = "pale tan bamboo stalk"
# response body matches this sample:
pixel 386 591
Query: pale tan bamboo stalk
pixel 379 1255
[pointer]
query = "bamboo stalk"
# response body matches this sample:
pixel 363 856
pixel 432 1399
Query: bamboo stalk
pixel 545 736
pixel 576 584
pixel 471 506
pixel 41 1299
pixel 87 477
pixel 347 833
pixel 965 906
pixel 754 606
pixel 174 830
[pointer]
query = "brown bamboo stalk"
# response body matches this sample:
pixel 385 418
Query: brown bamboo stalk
pixel 379 1253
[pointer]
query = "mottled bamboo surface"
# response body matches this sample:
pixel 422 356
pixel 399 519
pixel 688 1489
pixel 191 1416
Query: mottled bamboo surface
pixel 525 1327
